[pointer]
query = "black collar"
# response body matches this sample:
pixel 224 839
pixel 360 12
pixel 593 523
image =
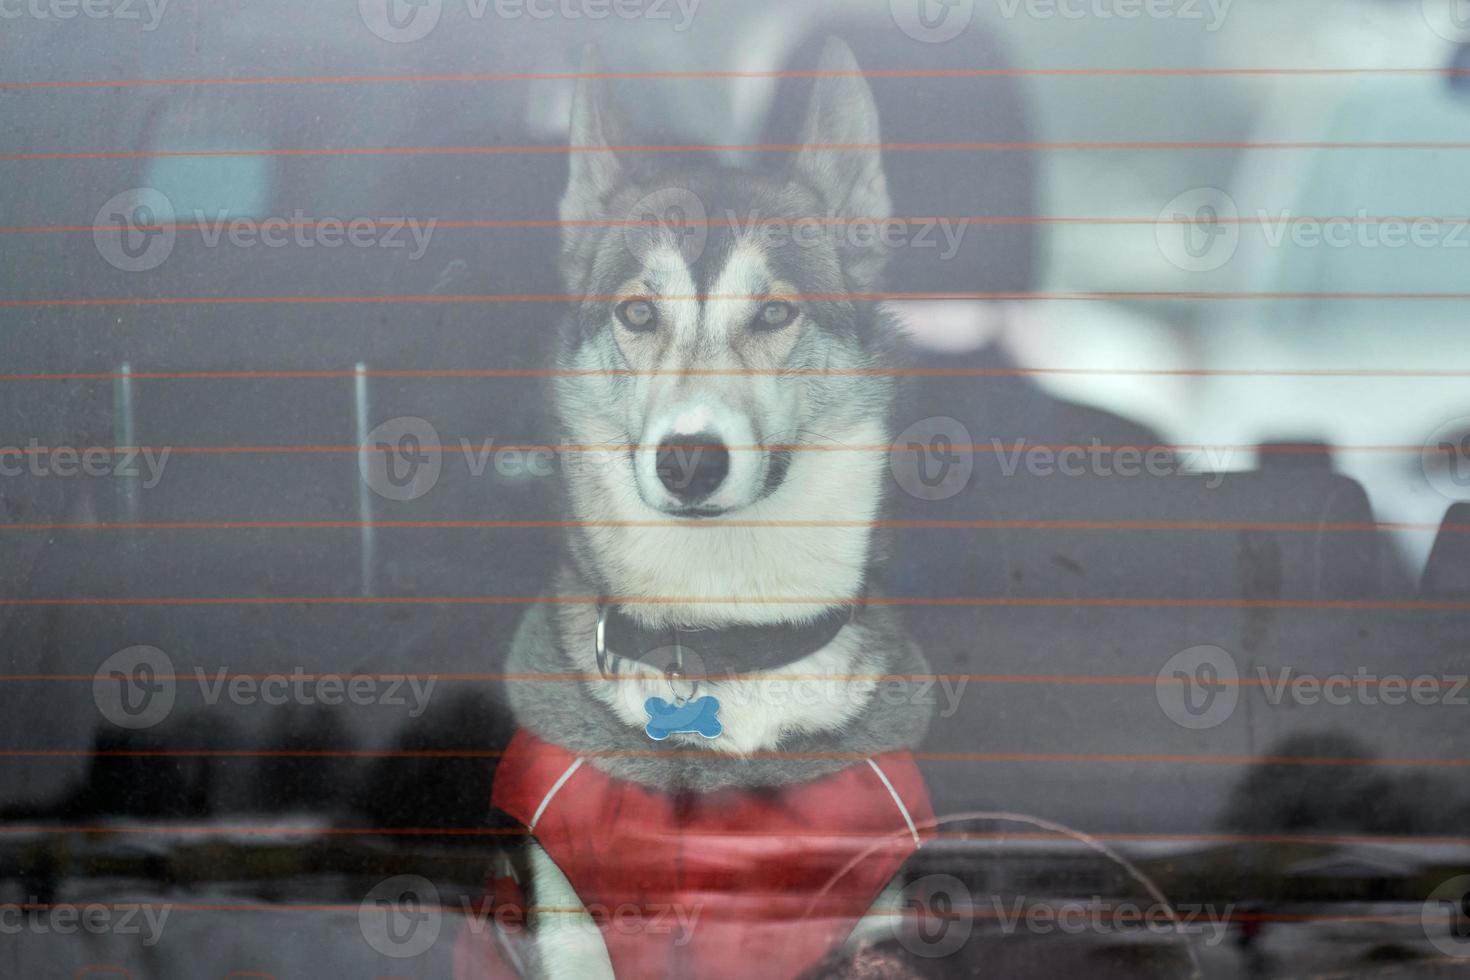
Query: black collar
pixel 726 649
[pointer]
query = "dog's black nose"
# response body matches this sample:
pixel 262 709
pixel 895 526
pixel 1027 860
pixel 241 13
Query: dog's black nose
pixel 692 467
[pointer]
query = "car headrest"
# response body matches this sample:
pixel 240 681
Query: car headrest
pixel 937 183
pixel 1448 570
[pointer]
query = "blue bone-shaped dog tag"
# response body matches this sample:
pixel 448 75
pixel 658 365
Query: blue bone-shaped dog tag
pixel 699 716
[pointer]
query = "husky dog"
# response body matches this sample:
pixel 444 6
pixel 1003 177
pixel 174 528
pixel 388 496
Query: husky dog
pixel 721 394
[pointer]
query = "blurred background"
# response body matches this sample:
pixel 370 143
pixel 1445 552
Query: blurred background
pixel 1235 233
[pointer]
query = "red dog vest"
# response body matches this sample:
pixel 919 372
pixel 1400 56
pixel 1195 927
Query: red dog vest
pixel 734 883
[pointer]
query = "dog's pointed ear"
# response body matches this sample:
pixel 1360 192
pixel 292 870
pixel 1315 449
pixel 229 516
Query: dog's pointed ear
pixel 841 153
pixel 597 127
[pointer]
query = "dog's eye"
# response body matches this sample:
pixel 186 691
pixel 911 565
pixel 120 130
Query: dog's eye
pixel 775 315
pixel 637 314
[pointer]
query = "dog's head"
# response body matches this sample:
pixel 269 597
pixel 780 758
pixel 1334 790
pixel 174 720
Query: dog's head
pixel 716 325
